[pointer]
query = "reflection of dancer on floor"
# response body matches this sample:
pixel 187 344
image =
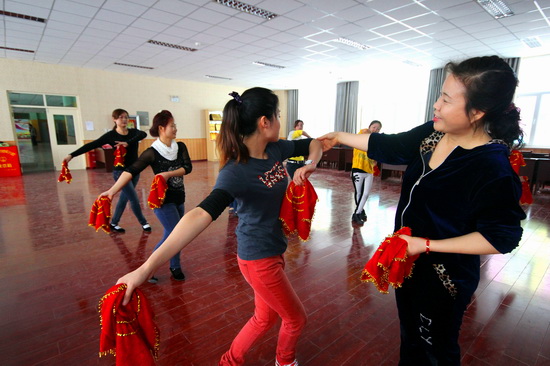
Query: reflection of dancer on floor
pixel 169 159
pixel 129 138
pixel 362 176
pixel 251 156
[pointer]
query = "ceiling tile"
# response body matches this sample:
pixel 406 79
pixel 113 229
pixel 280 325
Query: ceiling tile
pixel 125 7
pixel 114 17
pixel 75 8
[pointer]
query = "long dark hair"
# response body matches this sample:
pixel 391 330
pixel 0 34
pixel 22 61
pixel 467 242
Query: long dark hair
pixel 490 86
pixel 162 118
pixel 240 119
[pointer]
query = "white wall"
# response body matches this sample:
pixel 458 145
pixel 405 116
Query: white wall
pixel 100 92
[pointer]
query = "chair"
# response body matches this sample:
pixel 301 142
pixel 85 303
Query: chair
pixel 543 174
pixel 527 154
pixel 529 171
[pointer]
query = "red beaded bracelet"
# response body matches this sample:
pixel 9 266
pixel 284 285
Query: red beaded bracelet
pixel 427 246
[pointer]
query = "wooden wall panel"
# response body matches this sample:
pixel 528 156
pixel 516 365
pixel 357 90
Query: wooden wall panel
pixel 196 147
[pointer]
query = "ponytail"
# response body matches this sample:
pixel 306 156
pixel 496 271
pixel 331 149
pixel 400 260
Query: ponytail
pixel 240 119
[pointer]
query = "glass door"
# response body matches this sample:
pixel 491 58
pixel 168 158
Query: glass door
pixel 33 139
pixel 64 129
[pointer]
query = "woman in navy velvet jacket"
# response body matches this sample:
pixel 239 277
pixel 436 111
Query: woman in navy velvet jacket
pixel 460 191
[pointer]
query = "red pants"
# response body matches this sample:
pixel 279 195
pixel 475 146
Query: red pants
pixel 274 297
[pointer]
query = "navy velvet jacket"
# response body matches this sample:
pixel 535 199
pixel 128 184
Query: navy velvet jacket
pixel 471 191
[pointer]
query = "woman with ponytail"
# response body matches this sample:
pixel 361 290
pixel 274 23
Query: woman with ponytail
pixel 460 197
pixel 252 173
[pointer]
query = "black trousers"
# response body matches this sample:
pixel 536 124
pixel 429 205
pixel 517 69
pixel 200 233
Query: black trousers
pixel 292 166
pixel 430 319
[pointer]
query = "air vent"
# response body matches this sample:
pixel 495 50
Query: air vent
pixel 22 16
pixel 136 66
pixel 268 65
pixel 247 8
pixel 532 42
pixel 16 49
pixel 171 45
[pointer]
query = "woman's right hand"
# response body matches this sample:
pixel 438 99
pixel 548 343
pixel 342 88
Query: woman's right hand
pixel 133 280
pixel 107 194
pixel 67 159
pixel 329 140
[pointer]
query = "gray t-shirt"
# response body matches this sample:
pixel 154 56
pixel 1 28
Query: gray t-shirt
pixel 258 186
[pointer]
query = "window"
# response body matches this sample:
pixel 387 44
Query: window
pixel 25 99
pixel 533 98
pixel 60 101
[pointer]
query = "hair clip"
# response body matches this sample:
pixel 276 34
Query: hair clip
pixel 237 97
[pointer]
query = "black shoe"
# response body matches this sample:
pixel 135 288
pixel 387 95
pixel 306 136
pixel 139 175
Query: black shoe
pixel 153 280
pixel 356 219
pixel 117 228
pixel 177 274
pixel 146 227
pixel 363 215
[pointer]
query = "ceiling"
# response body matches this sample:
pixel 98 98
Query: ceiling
pixel 425 33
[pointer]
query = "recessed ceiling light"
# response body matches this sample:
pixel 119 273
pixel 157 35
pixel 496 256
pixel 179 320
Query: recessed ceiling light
pixel 259 63
pixel 351 43
pixel 216 77
pixel 16 49
pixel 137 66
pixel 171 45
pixel 247 8
pixel 22 16
pixel 497 8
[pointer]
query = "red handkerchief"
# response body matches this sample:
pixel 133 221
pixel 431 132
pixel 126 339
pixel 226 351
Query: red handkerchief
pixel 158 192
pixel 100 215
pixel 120 153
pixel 376 170
pixel 128 332
pixel 526 195
pixel 297 209
pixel 390 264
pixel 65 174
pixel 516 160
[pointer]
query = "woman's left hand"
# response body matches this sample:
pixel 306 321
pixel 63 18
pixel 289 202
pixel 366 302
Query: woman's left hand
pixel 165 175
pixel 416 245
pixel 301 174
pixel 121 143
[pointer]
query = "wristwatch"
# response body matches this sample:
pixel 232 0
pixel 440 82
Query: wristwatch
pixel 307 162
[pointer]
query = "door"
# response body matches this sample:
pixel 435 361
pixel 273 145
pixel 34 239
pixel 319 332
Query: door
pixel 33 140
pixel 65 136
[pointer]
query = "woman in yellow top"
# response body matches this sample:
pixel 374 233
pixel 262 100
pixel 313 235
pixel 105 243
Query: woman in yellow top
pixel 362 176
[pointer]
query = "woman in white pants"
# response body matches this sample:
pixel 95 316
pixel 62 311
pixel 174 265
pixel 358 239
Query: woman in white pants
pixel 362 176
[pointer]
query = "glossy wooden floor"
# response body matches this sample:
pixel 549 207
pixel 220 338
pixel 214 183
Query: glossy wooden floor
pixel 54 268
